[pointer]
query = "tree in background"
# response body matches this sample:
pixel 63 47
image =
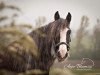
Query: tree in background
pixel 79 42
pixel 40 21
pixel 81 32
pixel 96 36
pixel 96 40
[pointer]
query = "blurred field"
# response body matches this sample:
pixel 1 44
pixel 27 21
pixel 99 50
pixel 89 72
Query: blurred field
pixel 95 70
pixel 57 71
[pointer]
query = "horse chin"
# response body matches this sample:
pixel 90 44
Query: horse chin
pixel 62 59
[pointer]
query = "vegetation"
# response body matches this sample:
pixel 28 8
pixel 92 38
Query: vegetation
pixel 86 43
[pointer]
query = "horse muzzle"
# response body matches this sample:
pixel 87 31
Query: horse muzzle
pixel 60 58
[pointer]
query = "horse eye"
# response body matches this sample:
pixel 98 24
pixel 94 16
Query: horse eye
pixel 70 40
pixel 68 36
pixel 68 32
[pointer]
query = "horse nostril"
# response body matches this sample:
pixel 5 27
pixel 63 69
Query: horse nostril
pixel 58 54
pixel 66 55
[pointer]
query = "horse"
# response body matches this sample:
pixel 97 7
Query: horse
pixel 52 41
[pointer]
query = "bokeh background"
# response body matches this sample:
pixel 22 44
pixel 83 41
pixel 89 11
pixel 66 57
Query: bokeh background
pixel 19 17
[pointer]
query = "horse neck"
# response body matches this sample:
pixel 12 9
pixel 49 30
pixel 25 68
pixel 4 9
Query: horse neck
pixel 43 43
pixel 41 36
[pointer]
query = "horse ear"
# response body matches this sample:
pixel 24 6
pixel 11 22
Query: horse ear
pixel 68 18
pixel 56 16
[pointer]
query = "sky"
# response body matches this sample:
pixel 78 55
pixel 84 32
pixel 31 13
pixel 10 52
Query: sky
pixel 32 9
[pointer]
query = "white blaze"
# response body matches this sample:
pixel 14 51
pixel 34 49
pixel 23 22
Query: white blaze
pixel 63 47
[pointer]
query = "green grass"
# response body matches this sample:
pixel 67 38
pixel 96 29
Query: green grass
pixel 60 71
pixel 65 71
pixel 94 71
pixel 57 71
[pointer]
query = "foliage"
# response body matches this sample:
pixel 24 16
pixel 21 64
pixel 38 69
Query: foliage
pixel 96 41
pixel 81 32
pixel 40 21
pixel 84 44
pixel 11 37
pixel 3 6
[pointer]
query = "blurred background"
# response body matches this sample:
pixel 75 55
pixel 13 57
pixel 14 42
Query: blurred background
pixel 19 17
